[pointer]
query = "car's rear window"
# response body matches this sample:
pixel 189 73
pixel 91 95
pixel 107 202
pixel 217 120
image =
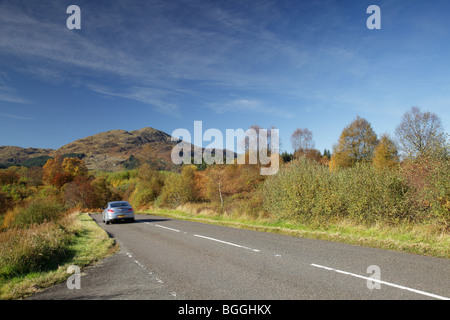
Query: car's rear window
pixel 119 204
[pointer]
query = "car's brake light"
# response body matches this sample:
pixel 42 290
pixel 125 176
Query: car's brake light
pixel 131 209
pixel 110 211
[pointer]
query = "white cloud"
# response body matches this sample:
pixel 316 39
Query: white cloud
pixel 8 93
pixel 14 116
pixel 150 96
pixel 249 106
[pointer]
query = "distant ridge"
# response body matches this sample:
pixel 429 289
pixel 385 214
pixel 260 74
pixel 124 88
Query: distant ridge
pixel 108 150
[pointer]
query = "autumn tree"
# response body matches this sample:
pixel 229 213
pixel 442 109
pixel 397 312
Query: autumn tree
pixel 9 177
pixel 75 167
pixel 34 176
pixel 102 191
pixel 215 184
pixel 175 191
pixel 59 171
pixel 188 177
pixel 61 178
pixel 149 185
pixel 386 154
pixel 421 134
pixel 302 142
pixel 80 193
pixel 356 143
pixel 51 168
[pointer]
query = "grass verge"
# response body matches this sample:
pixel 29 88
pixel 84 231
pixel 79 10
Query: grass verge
pixel 404 237
pixel 82 244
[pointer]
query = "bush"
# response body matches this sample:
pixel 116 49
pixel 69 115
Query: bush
pixel 37 212
pixel 148 186
pixel 429 178
pixel 35 249
pixel 371 195
pixel 307 192
pixel 438 194
pixel 176 191
pixel 298 191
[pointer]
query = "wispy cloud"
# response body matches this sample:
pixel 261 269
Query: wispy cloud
pixel 149 96
pixel 9 94
pixel 161 53
pixel 218 52
pixel 14 116
pixel 254 107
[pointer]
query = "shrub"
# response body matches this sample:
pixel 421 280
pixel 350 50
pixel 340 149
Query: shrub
pixel 307 192
pixel 371 195
pixel 80 193
pixel 439 192
pixel 176 191
pixel 37 212
pixel 32 250
pixel 429 178
pixel 148 187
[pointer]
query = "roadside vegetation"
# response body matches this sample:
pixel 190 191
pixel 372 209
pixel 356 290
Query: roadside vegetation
pixel 42 230
pixel 386 192
pixel 38 255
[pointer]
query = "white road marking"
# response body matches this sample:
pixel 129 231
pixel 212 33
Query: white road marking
pixel 383 282
pixel 157 225
pixel 229 243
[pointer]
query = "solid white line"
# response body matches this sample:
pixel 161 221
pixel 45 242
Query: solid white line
pixel 383 282
pixel 229 243
pixel 157 225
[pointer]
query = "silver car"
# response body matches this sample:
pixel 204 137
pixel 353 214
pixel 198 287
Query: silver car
pixel 118 211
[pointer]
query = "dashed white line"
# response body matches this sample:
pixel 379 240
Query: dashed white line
pixel 382 282
pixel 226 242
pixel 160 226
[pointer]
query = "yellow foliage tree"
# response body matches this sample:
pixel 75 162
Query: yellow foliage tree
pixel 386 154
pixel 51 168
pixel 75 167
pixel 356 143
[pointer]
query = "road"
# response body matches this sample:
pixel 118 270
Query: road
pixel 173 259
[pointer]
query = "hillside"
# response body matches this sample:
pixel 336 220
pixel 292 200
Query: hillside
pixel 106 150
pixel 109 150
pixel 11 155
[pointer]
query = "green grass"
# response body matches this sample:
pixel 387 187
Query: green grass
pixel 86 244
pixel 404 237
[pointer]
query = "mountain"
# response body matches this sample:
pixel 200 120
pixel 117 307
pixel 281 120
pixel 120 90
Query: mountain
pixel 108 150
pixel 11 155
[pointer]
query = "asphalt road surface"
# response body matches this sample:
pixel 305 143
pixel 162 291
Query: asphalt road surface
pixel 173 259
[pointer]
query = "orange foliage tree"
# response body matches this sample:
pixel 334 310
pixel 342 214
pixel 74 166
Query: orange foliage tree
pixel 60 171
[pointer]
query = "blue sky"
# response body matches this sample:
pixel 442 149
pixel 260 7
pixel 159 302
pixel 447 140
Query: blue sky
pixel 232 64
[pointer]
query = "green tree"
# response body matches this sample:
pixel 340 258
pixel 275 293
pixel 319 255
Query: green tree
pixel 287 157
